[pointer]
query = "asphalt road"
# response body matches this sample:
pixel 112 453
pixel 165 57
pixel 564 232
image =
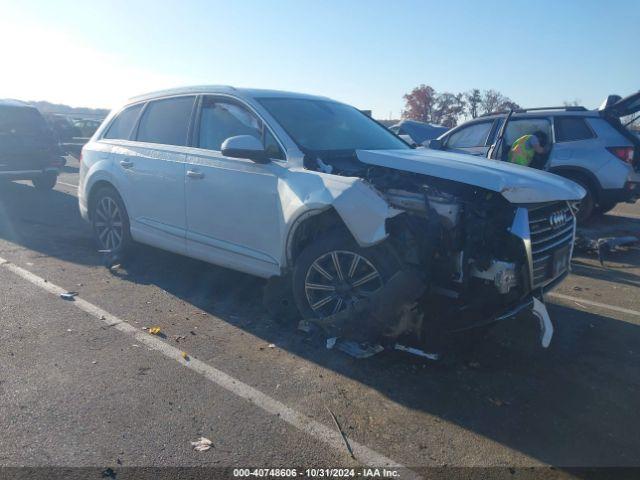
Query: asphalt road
pixel 82 384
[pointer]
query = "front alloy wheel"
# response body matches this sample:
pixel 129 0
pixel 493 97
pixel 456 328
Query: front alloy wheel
pixel 337 279
pixel 334 272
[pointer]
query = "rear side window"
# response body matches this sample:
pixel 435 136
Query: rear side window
pixel 21 120
pixel 166 121
pixel 571 128
pixel 123 124
pixel 471 136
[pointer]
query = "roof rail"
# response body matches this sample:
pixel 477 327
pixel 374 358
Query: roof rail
pixel 569 108
pixel 536 109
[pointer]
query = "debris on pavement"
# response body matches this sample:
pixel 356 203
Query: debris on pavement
pixel 68 296
pixel 112 261
pixel 154 330
pixel 202 444
pixel 388 313
pixel 499 403
pixel 185 356
pixel 417 351
pixel 600 246
pixel 358 350
pixel 344 437
pixel 177 338
pixel 304 326
pixel 546 327
pixel 272 345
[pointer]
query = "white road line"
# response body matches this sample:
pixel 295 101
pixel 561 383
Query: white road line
pixel 594 304
pixel 68 184
pixel 294 418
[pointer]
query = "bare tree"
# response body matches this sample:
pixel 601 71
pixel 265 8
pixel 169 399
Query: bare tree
pixel 494 101
pixel 448 108
pixel 474 99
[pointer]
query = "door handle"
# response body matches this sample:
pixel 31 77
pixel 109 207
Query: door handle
pixel 195 175
pixel 126 164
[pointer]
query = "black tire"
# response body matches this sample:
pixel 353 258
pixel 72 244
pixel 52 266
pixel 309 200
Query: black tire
pixel 605 207
pixel 323 248
pixel 587 205
pixel 110 233
pixel 45 182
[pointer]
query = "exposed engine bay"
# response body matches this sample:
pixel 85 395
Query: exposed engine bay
pixel 464 262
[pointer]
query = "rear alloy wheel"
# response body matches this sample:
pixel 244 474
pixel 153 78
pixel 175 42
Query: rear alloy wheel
pixel 45 182
pixel 587 204
pixel 110 222
pixel 334 272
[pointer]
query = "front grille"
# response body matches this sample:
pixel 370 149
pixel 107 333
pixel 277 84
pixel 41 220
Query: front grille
pixel 551 228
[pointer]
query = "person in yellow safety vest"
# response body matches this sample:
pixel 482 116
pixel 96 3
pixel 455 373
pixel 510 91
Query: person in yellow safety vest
pixel 525 148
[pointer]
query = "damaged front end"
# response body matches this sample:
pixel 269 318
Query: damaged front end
pixel 469 257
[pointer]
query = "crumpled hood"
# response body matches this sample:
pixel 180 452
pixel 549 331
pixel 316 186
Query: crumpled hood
pixel 516 183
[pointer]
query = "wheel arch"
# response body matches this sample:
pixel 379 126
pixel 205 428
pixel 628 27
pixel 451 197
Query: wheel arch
pixel 95 188
pixel 307 227
pixel 588 176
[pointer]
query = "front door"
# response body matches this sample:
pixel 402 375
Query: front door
pixel 234 216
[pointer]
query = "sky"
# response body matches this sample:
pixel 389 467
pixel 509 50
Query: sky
pixel 365 53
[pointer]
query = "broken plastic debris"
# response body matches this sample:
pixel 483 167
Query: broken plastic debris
pixel 68 296
pixel 546 327
pixel 498 403
pixel 331 342
pixel 154 330
pixel 202 444
pixel 304 326
pixel 416 351
pixel 358 350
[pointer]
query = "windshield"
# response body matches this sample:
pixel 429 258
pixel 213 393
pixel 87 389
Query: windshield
pixel 21 121
pixel 323 125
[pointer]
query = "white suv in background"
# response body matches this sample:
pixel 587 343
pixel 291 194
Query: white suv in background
pixel 591 147
pixel 317 194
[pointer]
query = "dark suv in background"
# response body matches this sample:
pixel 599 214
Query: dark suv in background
pixel 28 148
pixel 591 147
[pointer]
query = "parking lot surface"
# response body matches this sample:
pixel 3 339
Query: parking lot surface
pixel 84 384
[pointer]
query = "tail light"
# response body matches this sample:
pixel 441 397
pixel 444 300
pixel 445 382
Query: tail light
pixel 623 153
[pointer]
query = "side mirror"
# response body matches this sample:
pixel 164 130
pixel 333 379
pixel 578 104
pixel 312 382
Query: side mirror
pixel 433 144
pixel 245 146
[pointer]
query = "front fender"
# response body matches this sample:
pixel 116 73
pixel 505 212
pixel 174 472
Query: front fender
pixel 362 209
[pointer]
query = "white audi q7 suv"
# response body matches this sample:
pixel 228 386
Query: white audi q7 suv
pixel 314 194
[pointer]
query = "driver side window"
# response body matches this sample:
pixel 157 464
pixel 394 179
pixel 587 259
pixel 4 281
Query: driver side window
pixel 221 119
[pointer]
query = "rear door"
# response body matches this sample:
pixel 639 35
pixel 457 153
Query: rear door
pixel 517 127
pixel 574 142
pixel 152 170
pixel 26 143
